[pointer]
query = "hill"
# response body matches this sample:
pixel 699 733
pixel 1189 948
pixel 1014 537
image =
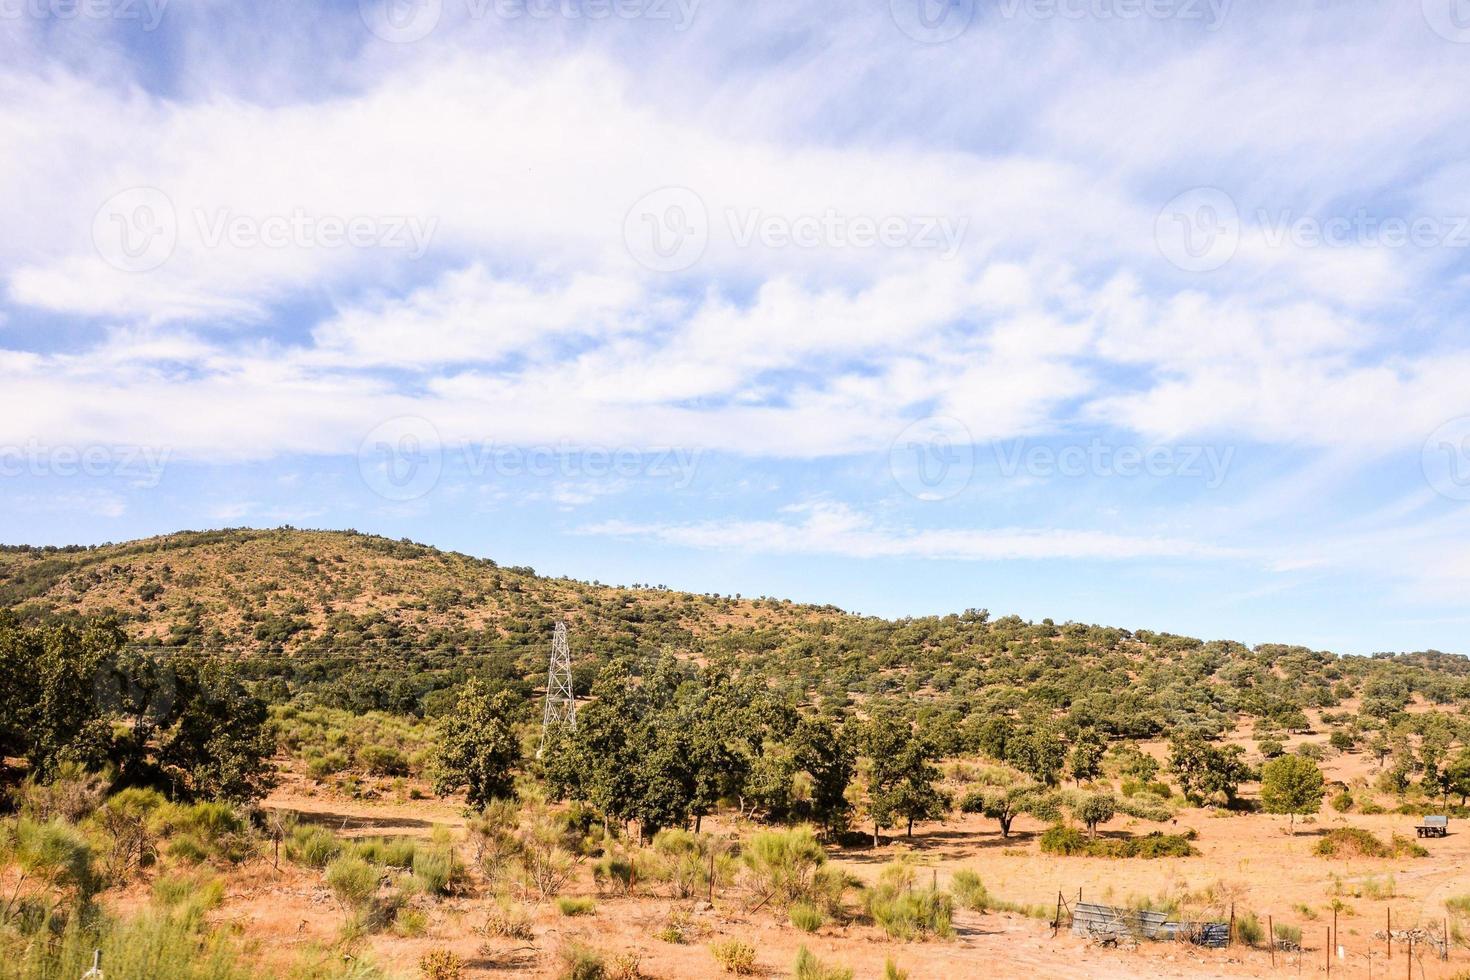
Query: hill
pixel 370 622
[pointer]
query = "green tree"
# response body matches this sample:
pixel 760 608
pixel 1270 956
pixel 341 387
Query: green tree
pixel 478 749
pixel 900 774
pixel 1084 762
pixel 1004 804
pixel 1458 773
pixel 1094 809
pixel 214 739
pixel 822 748
pixel 1206 772
pixel 1038 752
pixel 1292 785
pixel 918 798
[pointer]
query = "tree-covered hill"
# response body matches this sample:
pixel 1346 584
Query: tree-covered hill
pixel 368 622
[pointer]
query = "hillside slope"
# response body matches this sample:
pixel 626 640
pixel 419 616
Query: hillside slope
pixel 382 623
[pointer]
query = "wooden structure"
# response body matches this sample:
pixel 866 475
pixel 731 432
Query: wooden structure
pixel 1434 826
pixel 1110 923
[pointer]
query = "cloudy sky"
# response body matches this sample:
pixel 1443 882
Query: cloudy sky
pixel 1143 312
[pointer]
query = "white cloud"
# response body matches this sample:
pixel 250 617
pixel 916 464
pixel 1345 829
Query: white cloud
pixel 835 529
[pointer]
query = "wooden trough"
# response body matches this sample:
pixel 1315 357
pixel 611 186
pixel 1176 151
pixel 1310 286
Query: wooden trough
pixel 1109 922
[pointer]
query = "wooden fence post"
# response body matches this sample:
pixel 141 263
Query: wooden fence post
pixel 1271 925
pixel 1329 952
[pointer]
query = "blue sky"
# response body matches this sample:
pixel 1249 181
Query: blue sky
pixel 1141 313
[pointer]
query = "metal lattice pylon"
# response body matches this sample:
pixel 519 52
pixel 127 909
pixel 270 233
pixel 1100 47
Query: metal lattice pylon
pixel 561 703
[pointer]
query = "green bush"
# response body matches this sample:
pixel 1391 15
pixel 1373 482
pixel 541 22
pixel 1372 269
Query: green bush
pixel 158 946
pixel 620 870
pixel 54 854
pixel 1064 840
pixel 187 848
pixel 808 967
pixel 570 906
pixel 1288 936
pixel 435 868
pixel 381 760
pixel 354 882
pixel 1069 841
pixel 1342 802
pixel 394 852
pixel 734 956
pixel 187 896
pixel 312 845
pixel 789 865
pixel 969 891
pixel 581 962
pixel 806 916
pixel 1248 929
pixel 1353 842
pixel 908 913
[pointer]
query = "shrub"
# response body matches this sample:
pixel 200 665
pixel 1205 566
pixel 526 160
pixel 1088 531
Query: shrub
pixel 1064 840
pixel 1248 929
pixel 581 962
pixel 435 868
pixel 1351 842
pixel 1379 889
pixel 396 852
pixel 188 897
pixel 1288 936
pixel 156 945
pixel 806 916
pixel 892 972
pixel 441 964
pixel 312 846
pixel 507 919
pixel 575 906
pixel 1069 841
pixel 969 891
pixel 54 855
pixel 409 922
pixel 1342 802
pixel 1408 847
pixel 544 861
pixel 621 870
pixel 734 956
pixel 625 966
pixel 354 882
pixel 187 848
pixel 684 860
pixel 908 913
pixel 788 865
pixel 380 760
pixel 808 967
pixel 678 926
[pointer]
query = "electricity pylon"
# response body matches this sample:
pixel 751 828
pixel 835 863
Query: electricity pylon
pixel 561 703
